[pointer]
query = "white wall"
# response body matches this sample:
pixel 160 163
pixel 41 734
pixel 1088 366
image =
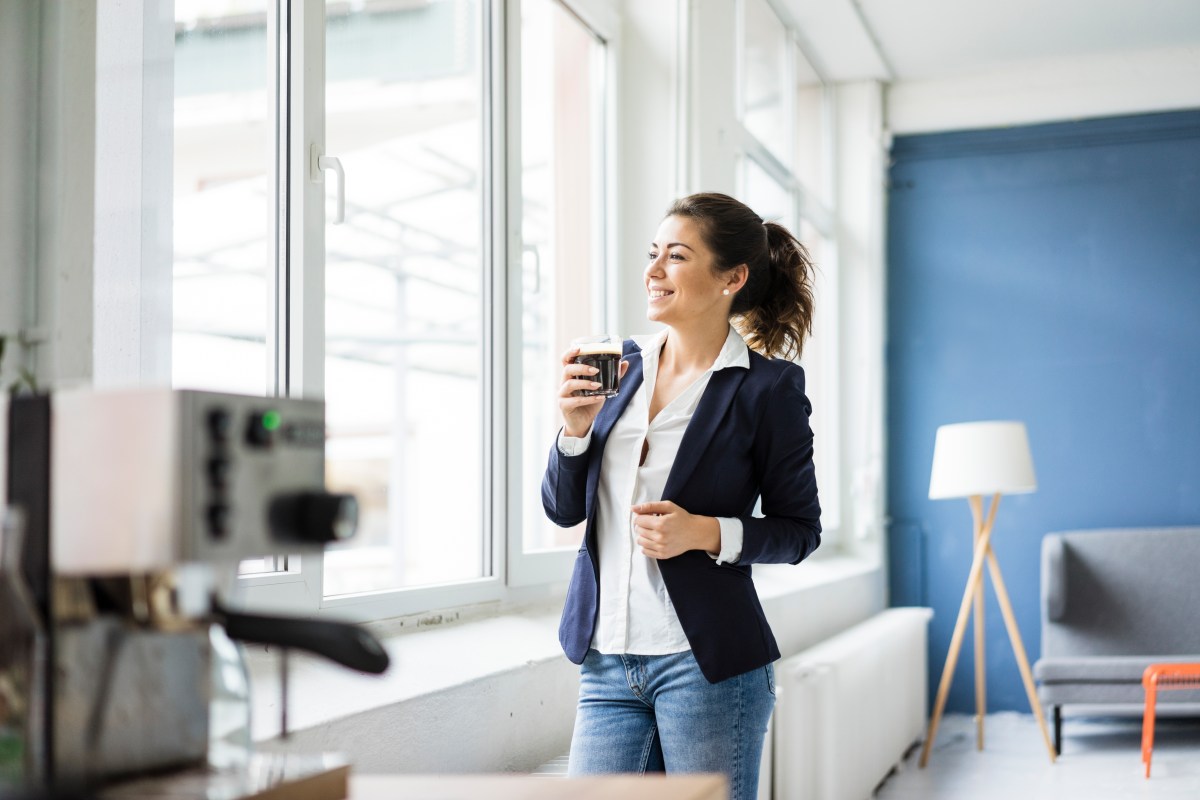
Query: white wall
pixel 19 27
pixel 66 125
pixel 85 240
pixel 19 31
pixel 1049 90
pixel 511 721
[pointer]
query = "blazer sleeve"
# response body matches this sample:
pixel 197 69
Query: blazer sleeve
pixel 564 487
pixel 790 528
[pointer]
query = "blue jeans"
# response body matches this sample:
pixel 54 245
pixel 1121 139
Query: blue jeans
pixel 658 713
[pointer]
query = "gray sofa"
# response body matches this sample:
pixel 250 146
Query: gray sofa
pixel 1113 602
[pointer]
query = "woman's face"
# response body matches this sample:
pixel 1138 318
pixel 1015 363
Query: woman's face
pixel 681 283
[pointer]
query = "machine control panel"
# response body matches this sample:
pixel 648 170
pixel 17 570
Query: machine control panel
pixel 179 476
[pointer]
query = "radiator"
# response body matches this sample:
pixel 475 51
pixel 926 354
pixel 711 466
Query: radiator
pixel 848 709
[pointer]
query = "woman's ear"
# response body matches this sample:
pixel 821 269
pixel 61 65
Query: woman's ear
pixel 736 278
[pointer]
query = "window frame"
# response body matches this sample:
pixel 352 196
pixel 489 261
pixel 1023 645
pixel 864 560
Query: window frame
pixel 529 568
pixel 808 206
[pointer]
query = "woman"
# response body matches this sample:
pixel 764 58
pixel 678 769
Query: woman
pixel 661 611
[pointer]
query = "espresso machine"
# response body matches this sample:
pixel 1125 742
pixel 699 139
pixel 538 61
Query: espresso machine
pixel 128 513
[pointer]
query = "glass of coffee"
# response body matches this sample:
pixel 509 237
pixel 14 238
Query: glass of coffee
pixel 604 353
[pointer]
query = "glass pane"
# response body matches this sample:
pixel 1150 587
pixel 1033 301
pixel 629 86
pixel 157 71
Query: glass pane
pixel 403 282
pixel 562 90
pixel 764 78
pixel 811 164
pixel 222 198
pixel 765 195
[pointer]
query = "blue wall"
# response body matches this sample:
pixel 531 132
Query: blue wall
pixel 1049 274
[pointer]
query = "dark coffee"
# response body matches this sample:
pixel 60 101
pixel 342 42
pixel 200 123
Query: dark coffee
pixel 608 361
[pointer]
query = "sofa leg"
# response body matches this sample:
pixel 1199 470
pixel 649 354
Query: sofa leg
pixel 1058 730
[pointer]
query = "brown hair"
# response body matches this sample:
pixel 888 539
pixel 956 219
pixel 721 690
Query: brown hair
pixel 774 309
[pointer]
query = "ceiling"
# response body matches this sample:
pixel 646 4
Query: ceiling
pixel 901 40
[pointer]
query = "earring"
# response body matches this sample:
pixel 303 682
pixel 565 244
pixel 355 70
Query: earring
pixel 725 292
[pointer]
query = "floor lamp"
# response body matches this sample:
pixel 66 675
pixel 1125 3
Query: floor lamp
pixel 973 459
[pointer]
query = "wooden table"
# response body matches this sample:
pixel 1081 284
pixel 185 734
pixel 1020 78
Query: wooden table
pixel 526 787
pixel 281 776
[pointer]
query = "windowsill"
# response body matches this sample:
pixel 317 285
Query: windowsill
pixel 432 660
pixel 779 580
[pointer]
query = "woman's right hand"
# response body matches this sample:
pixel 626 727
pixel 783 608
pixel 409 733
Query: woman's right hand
pixel 578 412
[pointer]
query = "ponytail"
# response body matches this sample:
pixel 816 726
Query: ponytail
pixel 774 309
pixel 779 319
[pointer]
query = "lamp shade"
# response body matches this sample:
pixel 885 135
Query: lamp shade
pixel 972 458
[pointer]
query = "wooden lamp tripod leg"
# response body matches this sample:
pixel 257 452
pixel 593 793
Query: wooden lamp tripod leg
pixel 1014 635
pixel 977 623
pixel 973 580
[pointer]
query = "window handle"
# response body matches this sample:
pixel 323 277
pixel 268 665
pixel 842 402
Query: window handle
pixel 319 165
pixel 537 266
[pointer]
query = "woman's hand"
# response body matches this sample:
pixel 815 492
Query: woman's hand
pixel 665 530
pixel 579 412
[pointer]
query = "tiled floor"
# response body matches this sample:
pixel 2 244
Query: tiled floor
pixel 1101 759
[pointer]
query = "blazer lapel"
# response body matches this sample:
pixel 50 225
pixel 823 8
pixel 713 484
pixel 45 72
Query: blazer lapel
pixel 613 406
pixel 722 388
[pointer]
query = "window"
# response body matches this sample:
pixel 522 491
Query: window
pixel 428 329
pixel 563 286
pixel 783 172
pixel 224 158
pixel 764 105
pixel 406 377
pixel 224 208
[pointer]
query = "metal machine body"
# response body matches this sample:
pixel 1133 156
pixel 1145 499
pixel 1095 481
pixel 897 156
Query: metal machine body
pixel 145 480
pixel 136 507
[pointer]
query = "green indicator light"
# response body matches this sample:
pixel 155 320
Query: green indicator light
pixel 271 420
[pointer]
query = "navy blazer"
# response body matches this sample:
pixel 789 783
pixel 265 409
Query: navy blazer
pixel 748 437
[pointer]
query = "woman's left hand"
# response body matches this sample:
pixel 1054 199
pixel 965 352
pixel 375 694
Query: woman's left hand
pixel 665 530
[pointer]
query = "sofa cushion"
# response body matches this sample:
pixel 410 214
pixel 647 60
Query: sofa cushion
pixel 1125 693
pixel 1115 669
pixel 1121 592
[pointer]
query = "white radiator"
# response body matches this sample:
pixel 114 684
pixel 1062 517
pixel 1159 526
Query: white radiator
pixel 849 708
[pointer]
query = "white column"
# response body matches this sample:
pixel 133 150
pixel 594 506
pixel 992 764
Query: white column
pixel 133 237
pixel 860 161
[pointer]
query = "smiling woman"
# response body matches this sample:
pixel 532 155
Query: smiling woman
pixel 661 613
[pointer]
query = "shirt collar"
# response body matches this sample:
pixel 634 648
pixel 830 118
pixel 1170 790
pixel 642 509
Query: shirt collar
pixel 734 353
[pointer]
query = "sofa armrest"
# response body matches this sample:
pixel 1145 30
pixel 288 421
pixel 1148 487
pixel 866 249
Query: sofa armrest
pixel 1054 577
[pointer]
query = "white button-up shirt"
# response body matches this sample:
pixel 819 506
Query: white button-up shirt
pixel 636 613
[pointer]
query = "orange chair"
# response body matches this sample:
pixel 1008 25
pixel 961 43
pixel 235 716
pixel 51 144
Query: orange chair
pixel 1162 676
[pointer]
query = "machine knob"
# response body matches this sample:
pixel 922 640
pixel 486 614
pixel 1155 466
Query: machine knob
pixel 218 473
pixel 313 517
pixel 218 521
pixel 261 427
pixel 219 423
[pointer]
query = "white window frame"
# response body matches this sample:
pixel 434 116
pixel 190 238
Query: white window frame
pixel 712 164
pixel 547 566
pixel 300 288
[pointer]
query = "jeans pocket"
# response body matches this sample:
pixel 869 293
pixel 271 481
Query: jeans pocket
pixel 769 669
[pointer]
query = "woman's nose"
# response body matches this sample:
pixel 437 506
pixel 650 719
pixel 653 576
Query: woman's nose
pixel 654 268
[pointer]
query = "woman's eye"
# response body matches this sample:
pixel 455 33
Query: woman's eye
pixel 651 255
pixel 677 256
